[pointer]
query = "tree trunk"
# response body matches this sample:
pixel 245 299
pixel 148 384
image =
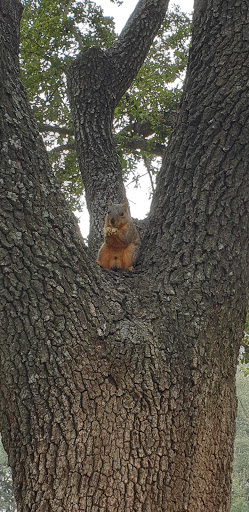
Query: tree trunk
pixel 118 388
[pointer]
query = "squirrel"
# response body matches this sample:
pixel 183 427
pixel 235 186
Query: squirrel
pixel 121 239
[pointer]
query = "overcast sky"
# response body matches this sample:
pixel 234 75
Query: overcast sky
pixel 121 13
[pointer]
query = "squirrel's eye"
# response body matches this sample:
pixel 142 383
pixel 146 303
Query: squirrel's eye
pixel 121 214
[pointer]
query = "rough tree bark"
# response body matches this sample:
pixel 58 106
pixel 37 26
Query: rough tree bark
pixel 118 389
pixel 96 82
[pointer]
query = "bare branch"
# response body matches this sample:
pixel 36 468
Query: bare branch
pixel 47 128
pixel 134 42
pixel 154 148
pixel 145 129
pixel 61 148
pixel 149 168
pixel 131 143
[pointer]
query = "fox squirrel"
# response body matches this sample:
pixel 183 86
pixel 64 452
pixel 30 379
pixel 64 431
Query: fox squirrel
pixel 121 239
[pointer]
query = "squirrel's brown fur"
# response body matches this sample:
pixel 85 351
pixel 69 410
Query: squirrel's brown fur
pixel 121 239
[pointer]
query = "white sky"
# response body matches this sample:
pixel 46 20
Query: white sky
pixel 139 198
pixel 121 13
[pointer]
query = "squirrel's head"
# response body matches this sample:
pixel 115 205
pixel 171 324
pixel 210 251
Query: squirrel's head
pixel 118 214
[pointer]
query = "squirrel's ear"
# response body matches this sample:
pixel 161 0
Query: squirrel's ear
pixel 110 203
pixel 126 205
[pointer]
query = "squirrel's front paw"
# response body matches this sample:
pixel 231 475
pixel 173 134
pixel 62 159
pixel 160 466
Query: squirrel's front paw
pixel 111 231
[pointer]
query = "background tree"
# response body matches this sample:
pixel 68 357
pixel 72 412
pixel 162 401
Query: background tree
pixel 245 346
pixel 52 33
pixel 118 389
pixel 240 486
pixel 7 501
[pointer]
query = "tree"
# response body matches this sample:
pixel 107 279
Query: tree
pixel 52 32
pixel 144 117
pixel 240 467
pixel 7 502
pixel 240 487
pixel 245 345
pixel 118 388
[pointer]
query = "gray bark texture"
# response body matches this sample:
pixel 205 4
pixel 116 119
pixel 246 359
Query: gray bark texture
pixel 118 388
pixel 96 82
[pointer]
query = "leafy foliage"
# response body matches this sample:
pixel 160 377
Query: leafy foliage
pixel 66 167
pixel 52 33
pixel 148 99
pixel 148 110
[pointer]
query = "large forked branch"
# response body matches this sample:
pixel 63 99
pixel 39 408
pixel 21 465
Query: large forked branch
pixel 133 44
pixel 12 31
pixel 24 160
pixel 200 210
pixel 97 79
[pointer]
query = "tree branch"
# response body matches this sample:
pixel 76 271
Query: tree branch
pixel 49 128
pixel 129 144
pixel 11 29
pixel 61 148
pixel 128 141
pixel 150 172
pixel 129 51
pixel 205 169
pixel 145 129
pixel 199 8
pixel 246 347
pixel 133 143
pixel 24 159
pixel 103 77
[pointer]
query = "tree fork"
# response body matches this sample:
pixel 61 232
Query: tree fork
pixel 104 76
pixel 118 389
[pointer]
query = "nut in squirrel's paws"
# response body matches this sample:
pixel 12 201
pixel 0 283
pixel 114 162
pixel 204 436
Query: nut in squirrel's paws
pixel 121 239
pixel 111 231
